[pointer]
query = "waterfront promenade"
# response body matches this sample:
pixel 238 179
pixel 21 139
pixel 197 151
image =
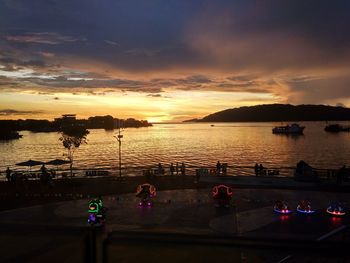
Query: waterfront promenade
pixel 54 232
pixel 52 219
pixel 33 192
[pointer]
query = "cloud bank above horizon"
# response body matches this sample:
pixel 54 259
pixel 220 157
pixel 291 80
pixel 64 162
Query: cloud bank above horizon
pixel 170 60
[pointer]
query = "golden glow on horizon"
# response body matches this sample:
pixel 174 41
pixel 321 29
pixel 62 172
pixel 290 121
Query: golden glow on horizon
pixel 172 105
pixel 194 64
pixel 177 101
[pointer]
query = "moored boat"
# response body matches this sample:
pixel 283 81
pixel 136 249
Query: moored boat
pixel 289 129
pixel 337 128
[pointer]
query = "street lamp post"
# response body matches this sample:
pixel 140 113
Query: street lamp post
pixel 119 138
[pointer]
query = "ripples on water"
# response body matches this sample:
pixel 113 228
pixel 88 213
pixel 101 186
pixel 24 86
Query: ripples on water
pixel 195 144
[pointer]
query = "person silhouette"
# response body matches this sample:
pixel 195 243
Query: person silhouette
pixel 218 168
pixel 8 174
pixel 172 169
pixel 183 169
pixel 256 169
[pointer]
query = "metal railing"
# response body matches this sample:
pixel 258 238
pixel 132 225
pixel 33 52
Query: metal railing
pixel 191 170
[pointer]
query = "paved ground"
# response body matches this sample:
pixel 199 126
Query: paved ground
pixel 23 194
pixel 189 211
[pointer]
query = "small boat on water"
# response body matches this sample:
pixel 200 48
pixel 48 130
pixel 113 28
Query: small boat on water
pixel 289 129
pixel 337 128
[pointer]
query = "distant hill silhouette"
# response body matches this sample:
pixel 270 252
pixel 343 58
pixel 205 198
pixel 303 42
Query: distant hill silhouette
pixel 280 112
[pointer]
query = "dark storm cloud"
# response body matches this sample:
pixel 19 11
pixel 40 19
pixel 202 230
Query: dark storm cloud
pixel 172 82
pixel 80 83
pixel 13 63
pixel 322 22
pixel 32 63
pixel 130 28
pixel 259 38
pixel 7 82
pixel 277 34
pixel 228 84
pixel 64 82
pixel 156 30
pixel 321 89
pixel 196 79
pixel 242 78
pixel 244 87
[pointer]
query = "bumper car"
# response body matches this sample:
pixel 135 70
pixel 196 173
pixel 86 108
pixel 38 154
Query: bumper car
pixel 304 207
pixel 96 219
pixel 146 192
pixel 96 213
pixel 94 206
pixel 281 207
pixel 335 209
pixel 222 194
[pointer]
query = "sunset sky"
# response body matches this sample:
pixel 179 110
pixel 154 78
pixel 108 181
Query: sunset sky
pixel 165 60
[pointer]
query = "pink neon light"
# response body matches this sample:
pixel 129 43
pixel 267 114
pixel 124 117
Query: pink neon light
pixel 215 190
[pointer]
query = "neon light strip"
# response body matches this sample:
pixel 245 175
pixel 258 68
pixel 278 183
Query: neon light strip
pixel 215 190
pixel 336 213
pixel 305 212
pixel 281 211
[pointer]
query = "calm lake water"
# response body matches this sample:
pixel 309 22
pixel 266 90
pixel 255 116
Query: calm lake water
pixel 195 144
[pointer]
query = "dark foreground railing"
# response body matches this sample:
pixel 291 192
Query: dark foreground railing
pixel 192 170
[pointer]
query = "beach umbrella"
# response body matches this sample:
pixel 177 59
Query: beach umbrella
pixel 30 163
pixel 58 162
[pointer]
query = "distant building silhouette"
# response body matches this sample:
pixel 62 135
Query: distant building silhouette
pixel 67 120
